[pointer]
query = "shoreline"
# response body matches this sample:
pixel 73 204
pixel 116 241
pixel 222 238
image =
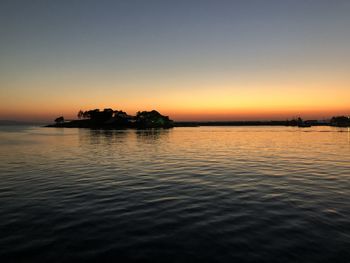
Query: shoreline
pixel 191 124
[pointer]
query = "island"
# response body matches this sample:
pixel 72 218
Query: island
pixel 340 121
pixel 337 121
pixel 115 119
pixel 118 119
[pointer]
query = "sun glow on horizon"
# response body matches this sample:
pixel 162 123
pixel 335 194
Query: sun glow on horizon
pixel 232 61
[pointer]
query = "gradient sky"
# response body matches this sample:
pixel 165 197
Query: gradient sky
pixel 191 60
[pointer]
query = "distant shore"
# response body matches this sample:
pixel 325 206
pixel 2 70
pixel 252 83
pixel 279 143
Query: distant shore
pixel 118 119
pixel 86 124
pixel 237 123
pixel 252 123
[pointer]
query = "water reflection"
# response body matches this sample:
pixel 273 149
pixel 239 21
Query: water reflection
pixel 104 137
pixel 152 135
pixel 113 137
pixel 273 193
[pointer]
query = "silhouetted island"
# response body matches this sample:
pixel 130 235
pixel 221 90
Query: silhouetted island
pixel 340 121
pixel 115 119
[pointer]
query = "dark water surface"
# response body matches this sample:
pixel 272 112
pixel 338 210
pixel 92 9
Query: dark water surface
pixel 219 194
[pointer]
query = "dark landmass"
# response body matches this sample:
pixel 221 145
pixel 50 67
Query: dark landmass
pixel 340 121
pixel 230 123
pixel 115 119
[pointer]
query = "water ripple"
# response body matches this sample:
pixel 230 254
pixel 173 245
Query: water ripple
pixel 218 194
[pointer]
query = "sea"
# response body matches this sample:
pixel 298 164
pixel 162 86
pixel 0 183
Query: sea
pixel 187 194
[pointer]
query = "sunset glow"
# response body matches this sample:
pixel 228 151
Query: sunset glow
pixel 229 61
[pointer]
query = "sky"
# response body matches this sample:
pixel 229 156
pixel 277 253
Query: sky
pixel 191 60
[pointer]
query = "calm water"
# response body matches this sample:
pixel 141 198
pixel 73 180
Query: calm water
pixel 219 194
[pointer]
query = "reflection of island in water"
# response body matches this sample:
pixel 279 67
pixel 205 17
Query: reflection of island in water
pixel 114 119
pixel 102 136
pixel 151 135
pixel 90 138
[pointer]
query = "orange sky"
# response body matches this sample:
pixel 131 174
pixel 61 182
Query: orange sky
pixel 233 61
pixel 207 97
pixel 197 104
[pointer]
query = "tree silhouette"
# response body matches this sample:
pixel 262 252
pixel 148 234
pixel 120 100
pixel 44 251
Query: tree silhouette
pixel 80 114
pixel 59 120
pixel 109 118
pixel 340 121
pixel 152 119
